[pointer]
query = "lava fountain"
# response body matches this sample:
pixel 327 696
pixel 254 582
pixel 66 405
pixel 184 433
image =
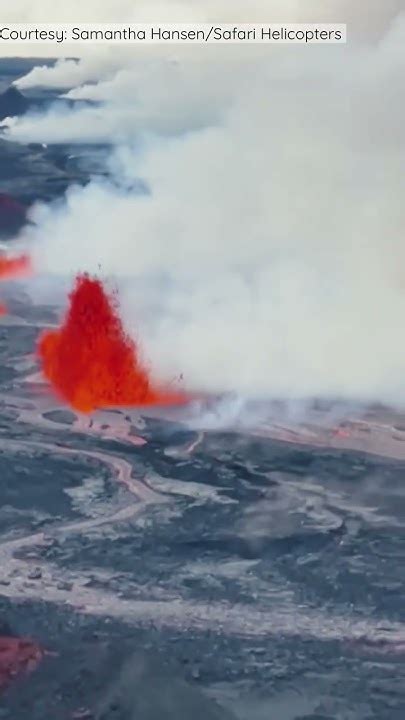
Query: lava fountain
pixel 91 362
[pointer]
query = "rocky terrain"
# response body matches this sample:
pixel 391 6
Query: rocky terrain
pixel 155 567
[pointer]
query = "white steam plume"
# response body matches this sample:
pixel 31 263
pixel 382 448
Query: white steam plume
pixel 268 256
pixel 67 73
pixel 133 98
pixel 148 98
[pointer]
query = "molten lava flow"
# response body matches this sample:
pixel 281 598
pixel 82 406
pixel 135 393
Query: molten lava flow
pixel 11 267
pixel 17 656
pixel 90 361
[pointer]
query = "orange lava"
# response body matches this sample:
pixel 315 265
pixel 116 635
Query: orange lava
pixel 339 432
pixel 90 362
pixel 17 656
pixel 12 267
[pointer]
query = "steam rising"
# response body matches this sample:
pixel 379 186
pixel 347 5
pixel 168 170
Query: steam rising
pixel 67 73
pixel 265 255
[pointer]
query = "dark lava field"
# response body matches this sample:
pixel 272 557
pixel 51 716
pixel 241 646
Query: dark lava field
pixel 149 571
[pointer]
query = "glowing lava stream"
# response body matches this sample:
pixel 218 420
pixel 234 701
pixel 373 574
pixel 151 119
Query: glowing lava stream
pixel 13 267
pixel 90 361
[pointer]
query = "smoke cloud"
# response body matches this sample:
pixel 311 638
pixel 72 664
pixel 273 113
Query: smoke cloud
pixel 65 74
pixel 146 98
pixel 264 254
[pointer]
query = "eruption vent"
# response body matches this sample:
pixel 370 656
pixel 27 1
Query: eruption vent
pixel 12 267
pixel 90 361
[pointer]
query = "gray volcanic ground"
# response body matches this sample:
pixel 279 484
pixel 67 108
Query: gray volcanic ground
pixel 174 573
